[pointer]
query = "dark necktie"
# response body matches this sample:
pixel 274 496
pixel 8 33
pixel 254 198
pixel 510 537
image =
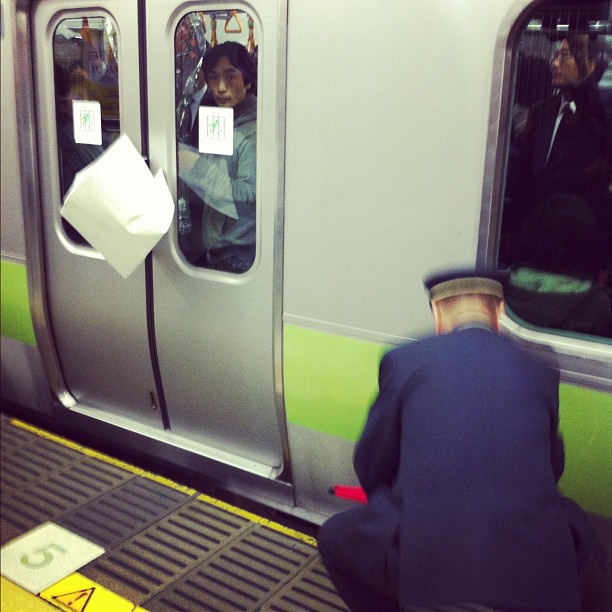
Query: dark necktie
pixel 567 118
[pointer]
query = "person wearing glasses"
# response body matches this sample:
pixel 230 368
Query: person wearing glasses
pixel 566 144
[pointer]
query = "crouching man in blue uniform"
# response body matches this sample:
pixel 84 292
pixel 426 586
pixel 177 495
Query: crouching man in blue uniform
pixel 459 458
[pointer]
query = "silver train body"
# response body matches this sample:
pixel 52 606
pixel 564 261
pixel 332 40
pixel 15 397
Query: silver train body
pixel 382 145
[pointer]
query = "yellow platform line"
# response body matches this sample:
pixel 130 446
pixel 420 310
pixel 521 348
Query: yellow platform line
pixel 254 518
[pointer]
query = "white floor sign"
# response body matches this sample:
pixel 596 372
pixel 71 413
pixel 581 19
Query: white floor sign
pixel 45 555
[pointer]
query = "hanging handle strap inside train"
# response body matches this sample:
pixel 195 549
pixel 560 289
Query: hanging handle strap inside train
pixel 236 29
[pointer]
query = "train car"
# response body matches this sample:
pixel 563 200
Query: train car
pixel 384 144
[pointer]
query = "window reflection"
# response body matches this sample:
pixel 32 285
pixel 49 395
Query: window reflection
pixel 216 123
pixel 556 232
pixel 85 58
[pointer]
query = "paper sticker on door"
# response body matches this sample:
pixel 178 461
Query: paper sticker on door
pixel 216 130
pixel 87 118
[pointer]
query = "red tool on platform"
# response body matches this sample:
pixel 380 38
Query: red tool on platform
pixel 356 494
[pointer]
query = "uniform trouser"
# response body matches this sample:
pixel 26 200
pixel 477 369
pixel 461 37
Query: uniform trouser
pixel 360 550
pixel 373 581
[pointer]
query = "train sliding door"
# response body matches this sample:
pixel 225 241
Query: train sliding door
pixel 89 56
pixel 188 349
pixel 217 287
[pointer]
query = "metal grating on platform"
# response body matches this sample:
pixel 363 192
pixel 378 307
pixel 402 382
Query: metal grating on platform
pixel 167 547
pixel 312 591
pixel 43 480
pixel 12 437
pixel 142 566
pixel 51 497
pixel 125 510
pixel 242 575
pixel 33 462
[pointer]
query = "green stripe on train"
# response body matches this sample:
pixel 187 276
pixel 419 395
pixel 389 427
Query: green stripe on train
pixel 15 317
pixel 586 425
pixel 331 381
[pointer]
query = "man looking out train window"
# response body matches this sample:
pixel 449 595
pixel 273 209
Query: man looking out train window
pixel 226 185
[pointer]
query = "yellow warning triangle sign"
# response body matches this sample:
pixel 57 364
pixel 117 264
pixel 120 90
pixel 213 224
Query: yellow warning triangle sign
pixel 77 600
pixel 76 593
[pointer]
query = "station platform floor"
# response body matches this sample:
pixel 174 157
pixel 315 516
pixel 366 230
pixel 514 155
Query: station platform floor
pixel 83 532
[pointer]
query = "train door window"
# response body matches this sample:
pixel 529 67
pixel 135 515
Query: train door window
pixel 216 126
pixel 556 225
pixel 85 57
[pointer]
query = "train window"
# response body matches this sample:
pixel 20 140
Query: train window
pixel 216 126
pixel 85 57
pixel 556 226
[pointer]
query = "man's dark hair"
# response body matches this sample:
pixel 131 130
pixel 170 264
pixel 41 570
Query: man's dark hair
pixel 238 57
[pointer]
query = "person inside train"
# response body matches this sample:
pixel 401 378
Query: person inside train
pixel 557 283
pixel 566 144
pixel 226 185
pixel 459 459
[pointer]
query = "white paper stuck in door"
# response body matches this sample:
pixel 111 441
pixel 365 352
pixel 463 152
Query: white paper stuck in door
pixel 117 205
